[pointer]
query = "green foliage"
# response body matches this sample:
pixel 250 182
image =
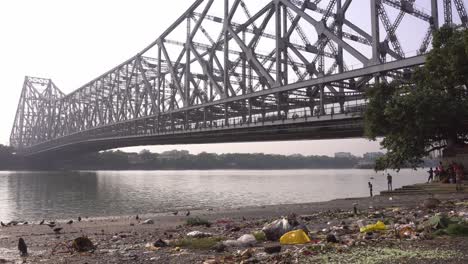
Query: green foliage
pixel 197 221
pixel 439 222
pixel 457 230
pixel 416 120
pixel 7 158
pixel 145 160
pixel 197 243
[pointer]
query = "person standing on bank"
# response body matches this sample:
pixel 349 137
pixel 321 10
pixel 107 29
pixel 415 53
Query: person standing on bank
pixel 431 175
pixel 459 177
pixel 370 189
pixel 389 182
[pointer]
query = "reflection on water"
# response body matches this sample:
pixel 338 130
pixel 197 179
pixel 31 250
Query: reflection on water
pixel 37 195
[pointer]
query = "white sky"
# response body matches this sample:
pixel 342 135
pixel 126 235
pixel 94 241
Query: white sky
pixel 73 41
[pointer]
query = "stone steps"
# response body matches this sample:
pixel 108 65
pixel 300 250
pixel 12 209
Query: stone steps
pixel 426 188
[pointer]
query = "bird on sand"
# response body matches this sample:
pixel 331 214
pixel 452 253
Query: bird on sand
pixel 70 222
pixel 175 212
pixel 58 229
pixel 3 224
pixel 23 249
pixel 79 218
pixel 42 222
pixel 188 213
pixel 137 217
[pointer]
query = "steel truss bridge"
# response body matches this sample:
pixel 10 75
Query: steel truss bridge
pixel 238 70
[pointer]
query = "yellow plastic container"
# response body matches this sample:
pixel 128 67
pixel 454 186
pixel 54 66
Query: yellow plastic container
pixel 375 227
pixel 295 237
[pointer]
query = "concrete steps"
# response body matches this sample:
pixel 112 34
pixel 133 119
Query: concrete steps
pixel 426 188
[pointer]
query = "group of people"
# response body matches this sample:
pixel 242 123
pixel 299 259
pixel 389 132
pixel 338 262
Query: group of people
pixel 389 184
pixel 453 173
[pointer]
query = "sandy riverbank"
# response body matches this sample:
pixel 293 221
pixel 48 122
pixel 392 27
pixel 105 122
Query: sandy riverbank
pixel 124 239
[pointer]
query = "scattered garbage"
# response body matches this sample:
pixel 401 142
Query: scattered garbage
pixel 272 249
pixel 83 244
pixel 148 222
pixel 295 237
pixel 439 221
pixel 334 232
pixel 332 238
pixel 219 247
pixel 247 240
pixel 457 229
pixel 160 243
pixel 197 221
pixel 379 226
pixel 199 234
pixel 246 254
pixel 259 236
pixel 407 231
pixel 276 229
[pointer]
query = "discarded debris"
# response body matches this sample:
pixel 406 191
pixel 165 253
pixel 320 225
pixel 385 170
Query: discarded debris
pixel 272 249
pixel 160 243
pixel 196 243
pixel 83 244
pixel 247 240
pixel 331 238
pixel 295 237
pixel 197 221
pixel 276 229
pixel 148 222
pixel 379 226
pixel 198 234
pixel 259 236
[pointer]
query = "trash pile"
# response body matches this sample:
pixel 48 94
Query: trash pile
pixel 313 236
pixel 302 238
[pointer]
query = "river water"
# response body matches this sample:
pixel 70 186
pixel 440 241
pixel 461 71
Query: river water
pixel 61 194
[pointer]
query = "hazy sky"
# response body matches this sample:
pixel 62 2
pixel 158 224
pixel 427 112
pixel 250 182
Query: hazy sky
pixel 72 42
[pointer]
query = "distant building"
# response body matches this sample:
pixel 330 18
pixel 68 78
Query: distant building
pixel 372 156
pixel 344 155
pixel 173 154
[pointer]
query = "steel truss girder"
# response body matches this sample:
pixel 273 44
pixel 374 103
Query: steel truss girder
pixel 221 76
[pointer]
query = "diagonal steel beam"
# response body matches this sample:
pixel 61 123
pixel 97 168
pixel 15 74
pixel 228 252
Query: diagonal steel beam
pixel 322 29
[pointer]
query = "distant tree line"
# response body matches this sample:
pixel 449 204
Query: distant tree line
pixel 177 160
pixel 146 160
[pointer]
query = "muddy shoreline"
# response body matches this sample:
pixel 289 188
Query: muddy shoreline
pixel 124 239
